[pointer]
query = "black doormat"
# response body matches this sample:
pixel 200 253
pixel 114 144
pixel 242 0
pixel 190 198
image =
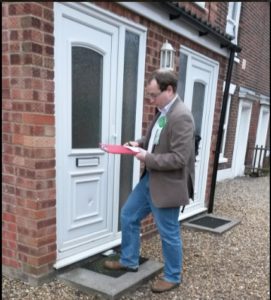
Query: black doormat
pixel 98 265
pixel 209 222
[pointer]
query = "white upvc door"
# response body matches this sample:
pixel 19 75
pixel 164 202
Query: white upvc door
pixel 241 137
pixel 261 133
pixel 86 104
pixel 99 74
pixel 200 96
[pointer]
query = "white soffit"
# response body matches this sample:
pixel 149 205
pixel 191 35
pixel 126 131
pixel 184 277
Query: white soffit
pixel 154 12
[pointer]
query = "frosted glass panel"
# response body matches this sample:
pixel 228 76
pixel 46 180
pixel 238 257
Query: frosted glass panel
pixel 182 75
pixel 87 66
pixel 198 104
pixel 128 110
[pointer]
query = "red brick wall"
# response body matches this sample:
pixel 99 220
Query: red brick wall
pixel 29 217
pixel 254 39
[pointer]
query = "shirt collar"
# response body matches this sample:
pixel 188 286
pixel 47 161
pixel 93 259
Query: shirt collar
pixel 166 108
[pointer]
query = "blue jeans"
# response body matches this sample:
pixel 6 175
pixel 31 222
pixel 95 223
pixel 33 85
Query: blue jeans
pixel 137 207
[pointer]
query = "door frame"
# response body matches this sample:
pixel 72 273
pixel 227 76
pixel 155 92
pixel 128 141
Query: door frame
pixel 262 130
pixel 122 24
pixel 199 206
pixel 262 127
pixel 244 103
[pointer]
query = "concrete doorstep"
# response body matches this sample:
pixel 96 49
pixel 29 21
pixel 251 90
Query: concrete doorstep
pixel 109 287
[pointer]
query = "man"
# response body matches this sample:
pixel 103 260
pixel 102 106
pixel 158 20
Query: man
pixel 166 184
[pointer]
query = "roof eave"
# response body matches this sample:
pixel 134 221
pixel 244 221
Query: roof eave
pixel 204 28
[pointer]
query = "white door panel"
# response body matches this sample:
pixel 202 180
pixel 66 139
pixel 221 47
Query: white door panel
pixel 94 77
pixel 200 95
pixel 84 172
pixel 241 137
pixel 262 129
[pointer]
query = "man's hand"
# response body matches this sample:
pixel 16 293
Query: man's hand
pixel 131 143
pixel 141 155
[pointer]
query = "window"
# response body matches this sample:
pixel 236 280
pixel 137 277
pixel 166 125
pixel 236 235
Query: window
pixel 131 61
pixel 201 4
pixel 222 158
pixel 87 67
pixel 233 20
pixel 182 75
pixel 198 105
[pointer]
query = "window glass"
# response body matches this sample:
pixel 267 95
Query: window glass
pixel 128 111
pixel 87 69
pixel 198 104
pixel 182 75
pixel 234 11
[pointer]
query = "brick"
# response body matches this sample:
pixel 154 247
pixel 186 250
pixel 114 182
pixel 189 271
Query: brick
pixel 9 179
pixel 25 183
pixel 29 21
pixel 18 160
pixel 38 119
pixel 8 217
pixel 11 262
pixel 49 39
pixel 46 223
pixel 49 258
pixel 5 59
pixel 33 251
pixel 35 271
pixel 34 106
pixel 15 59
pixel 17 139
pixel 48 15
pixel 7 235
pixel 36 9
pixel 36 141
pixel 10 209
pixel 15 71
pixel 49 131
pixel 8 252
pixel 45 240
pixel 9 244
pixel 44 153
pixel 41 174
pixel 48 194
pixel 47 27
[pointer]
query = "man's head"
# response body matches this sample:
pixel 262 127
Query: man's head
pixel 161 87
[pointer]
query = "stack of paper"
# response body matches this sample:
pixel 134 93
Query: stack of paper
pixel 119 149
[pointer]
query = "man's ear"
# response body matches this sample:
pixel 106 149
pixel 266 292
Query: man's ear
pixel 170 89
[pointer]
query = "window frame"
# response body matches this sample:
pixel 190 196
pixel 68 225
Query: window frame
pixel 222 158
pixel 232 25
pixel 200 4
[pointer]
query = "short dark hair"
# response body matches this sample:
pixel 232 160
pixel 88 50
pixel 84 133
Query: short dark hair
pixel 165 78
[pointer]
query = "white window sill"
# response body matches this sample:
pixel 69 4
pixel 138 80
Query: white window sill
pixel 222 160
pixel 237 59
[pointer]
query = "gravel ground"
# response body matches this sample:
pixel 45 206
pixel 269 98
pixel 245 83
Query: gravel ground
pixel 234 265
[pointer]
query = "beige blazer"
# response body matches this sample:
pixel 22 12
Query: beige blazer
pixel 171 166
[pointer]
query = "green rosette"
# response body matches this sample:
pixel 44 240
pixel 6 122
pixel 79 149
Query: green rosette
pixel 162 121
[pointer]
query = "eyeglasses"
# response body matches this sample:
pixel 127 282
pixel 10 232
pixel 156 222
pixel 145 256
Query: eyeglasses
pixel 153 96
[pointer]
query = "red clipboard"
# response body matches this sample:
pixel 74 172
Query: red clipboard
pixel 119 149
